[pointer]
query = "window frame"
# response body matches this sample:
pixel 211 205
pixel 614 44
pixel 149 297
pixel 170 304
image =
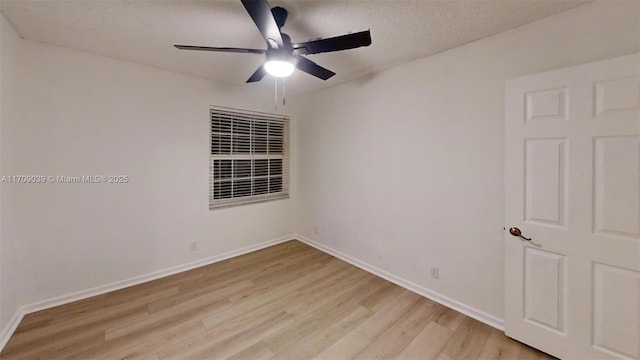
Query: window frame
pixel 226 154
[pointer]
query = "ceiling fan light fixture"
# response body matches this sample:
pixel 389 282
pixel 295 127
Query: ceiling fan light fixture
pixel 283 56
pixel 279 68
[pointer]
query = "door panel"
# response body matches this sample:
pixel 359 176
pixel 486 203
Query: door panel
pixel 545 171
pixel 548 105
pixel 617 186
pixel 617 95
pixel 545 289
pixel 572 185
pixel 616 312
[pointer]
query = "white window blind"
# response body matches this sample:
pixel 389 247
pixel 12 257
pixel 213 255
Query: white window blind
pixel 249 160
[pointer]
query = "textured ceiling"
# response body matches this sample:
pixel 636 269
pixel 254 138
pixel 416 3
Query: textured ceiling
pixel 144 31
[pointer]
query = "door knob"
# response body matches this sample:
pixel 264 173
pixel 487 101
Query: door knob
pixel 517 233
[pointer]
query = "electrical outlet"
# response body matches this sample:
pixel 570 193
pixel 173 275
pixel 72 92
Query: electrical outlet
pixel 435 272
pixel 379 252
pixel 193 246
pixel 315 230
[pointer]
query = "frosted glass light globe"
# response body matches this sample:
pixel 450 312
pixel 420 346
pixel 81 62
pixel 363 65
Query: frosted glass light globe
pixel 279 68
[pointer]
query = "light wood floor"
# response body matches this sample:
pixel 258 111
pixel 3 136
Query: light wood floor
pixel 288 301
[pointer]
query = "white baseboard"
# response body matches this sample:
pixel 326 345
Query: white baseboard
pixel 488 319
pixel 6 333
pixel 8 330
pixel 471 312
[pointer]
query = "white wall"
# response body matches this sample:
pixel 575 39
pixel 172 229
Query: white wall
pixel 2 31
pixel 79 114
pixel 407 162
pixel 403 170
pixel 15 275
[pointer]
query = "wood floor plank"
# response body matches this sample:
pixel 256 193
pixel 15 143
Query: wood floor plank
pixel 35 320
pixel 347 347
pixel 294 274
pixel 428 344
pixel 47 336
pixel 257 351
pixel 499 347
pixel 396 338
pixel 281 296
pixel 338 306
pixel 194 309
pixel 444 356
pixel 142 345
pixel 322 338
pixel 63 347
pixel 387 315
pixel 449 318
pixel 529 353
pixel 107 303
pixel 287 269
pixel 230 337
pixel 286 301
pixel 241 340
pixel 234 270
pixel 468 340
pixel 212 292
pixel 382 297
pixel 317 298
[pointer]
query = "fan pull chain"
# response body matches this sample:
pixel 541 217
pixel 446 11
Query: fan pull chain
pixel 284 97
pixel 276 98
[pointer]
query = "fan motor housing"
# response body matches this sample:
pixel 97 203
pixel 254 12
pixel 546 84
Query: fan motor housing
pixel 280 15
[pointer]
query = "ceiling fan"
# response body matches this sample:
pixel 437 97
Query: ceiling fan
pixel 282 56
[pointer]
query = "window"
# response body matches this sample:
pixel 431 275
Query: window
pixel 249 157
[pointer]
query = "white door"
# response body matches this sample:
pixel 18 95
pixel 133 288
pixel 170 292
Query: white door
pixel 572 182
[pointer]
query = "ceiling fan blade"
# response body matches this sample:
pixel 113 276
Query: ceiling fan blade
pixel 221 49
pixel 337 43
pixel 257 75
pixel 312 68
pixel 260 12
